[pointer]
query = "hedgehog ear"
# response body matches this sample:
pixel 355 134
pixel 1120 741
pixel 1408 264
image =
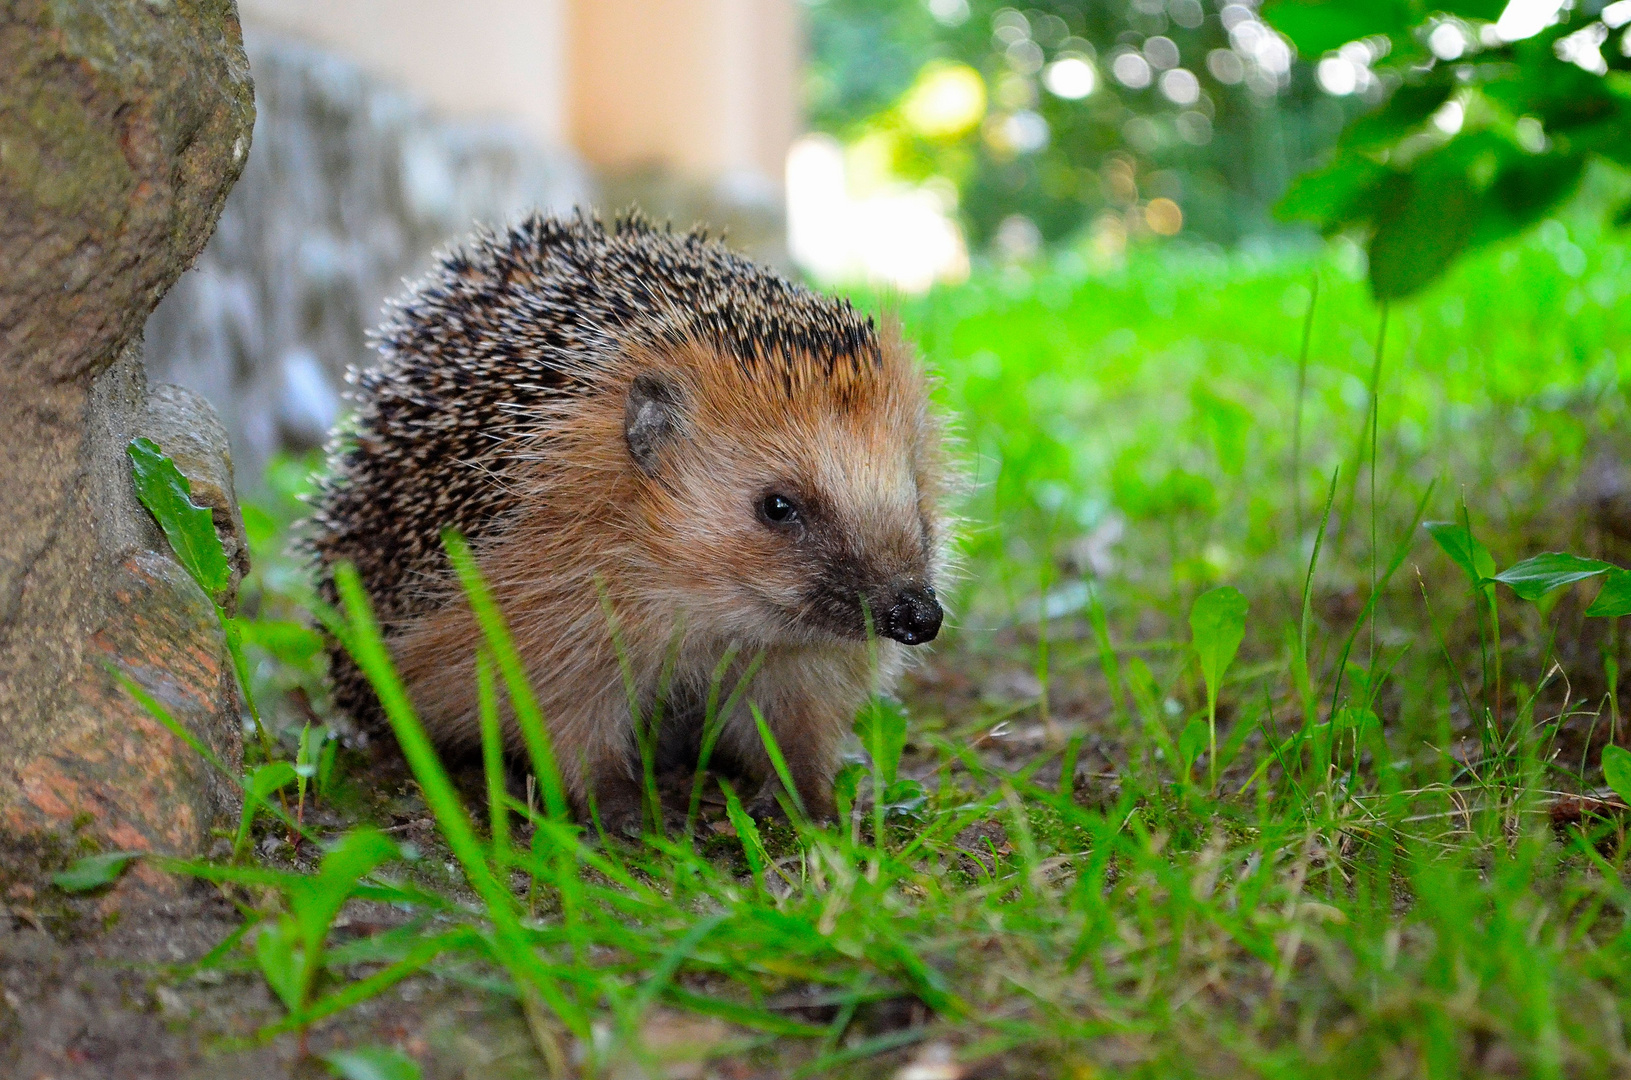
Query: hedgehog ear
pixel 650 419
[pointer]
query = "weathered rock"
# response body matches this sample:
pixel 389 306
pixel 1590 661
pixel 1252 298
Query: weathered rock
pixel 122 128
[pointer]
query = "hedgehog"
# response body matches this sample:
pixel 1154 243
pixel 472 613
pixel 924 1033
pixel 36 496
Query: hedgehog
pixel 672 465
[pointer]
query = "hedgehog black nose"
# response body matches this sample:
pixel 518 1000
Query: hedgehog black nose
pixel 914 617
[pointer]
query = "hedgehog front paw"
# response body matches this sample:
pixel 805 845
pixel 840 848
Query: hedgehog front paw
pixel 767 804
pixel 620 805
pixel 623 821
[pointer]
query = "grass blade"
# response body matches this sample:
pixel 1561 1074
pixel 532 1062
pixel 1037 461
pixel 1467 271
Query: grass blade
pixel 362 639
pixel 492 759
pixel 495 631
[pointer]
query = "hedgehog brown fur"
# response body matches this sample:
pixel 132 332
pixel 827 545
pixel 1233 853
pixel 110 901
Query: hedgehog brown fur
pixel 639 428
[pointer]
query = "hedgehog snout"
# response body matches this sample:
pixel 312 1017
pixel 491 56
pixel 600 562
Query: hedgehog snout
pixel 914 617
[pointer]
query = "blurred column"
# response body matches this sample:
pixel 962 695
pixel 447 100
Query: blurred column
pixel 692 104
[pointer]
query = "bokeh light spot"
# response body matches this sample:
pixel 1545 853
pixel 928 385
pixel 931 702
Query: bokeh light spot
pixel 1188 13
pixel 1225 66
pixel 1447 40
pixel 946 100
pixel 1161 52
pixel 1070 77
pixel 1525 18
pixel 1180 86
pixel 1449 117
pixel 1023 132
pixel 1337 75
pixel 1131 70
pixel 1194 127
pixel 1164 217
pixel 1025 57
pixel 949 12
pixel 1531 134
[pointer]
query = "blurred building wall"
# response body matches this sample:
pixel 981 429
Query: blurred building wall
pixel 703 89
pixel 466 59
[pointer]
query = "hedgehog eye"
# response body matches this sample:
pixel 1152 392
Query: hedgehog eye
pixel 776 509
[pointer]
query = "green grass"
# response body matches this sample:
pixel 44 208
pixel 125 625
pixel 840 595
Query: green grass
pixel 1087 847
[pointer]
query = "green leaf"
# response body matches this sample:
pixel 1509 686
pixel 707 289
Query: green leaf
pixel 1425 219
pixel 325 764
pixel 1407 110
pixel 286 641
pixel 903 798
pixel 372 1063
pixel 1524 190
pixel 1340 196
pixel 1533 578
pixel 318 900
pixel 1614 598
pixel 1562 96
pixel 260 784
pixel 881 725
pixel 846 785
pixel 1463 548
pixel 282 961
pixel 753 848
pixel 1617 771
pixel 1192 740
pixel 94 871
pixel 1477 189
pixel 189 527
pixel 1488 10
pixel 1218 622
pixel 1317 26
pixel 305 755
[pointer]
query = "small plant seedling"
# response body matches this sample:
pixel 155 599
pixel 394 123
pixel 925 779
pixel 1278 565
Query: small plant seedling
pixel 1535 577
pixel 881 726
pixel 1192 742
pixel 1617 771
pixel 1218 622
pixel 753 848
pixel 313 765
pixel 94 871
pixel 190 528
pixel 372 1063
pixel 1464 549
pixel 261 782
pixel 289 948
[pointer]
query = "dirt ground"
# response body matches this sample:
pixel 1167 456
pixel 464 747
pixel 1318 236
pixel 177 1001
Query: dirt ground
pixel 80 1001
pixel 91 988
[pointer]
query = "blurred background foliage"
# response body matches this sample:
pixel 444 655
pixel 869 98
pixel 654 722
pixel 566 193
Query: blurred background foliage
pixel 1429 129
pixel 1086 112
pixel 1496 110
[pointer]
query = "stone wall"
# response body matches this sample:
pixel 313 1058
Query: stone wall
pixel 351 188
